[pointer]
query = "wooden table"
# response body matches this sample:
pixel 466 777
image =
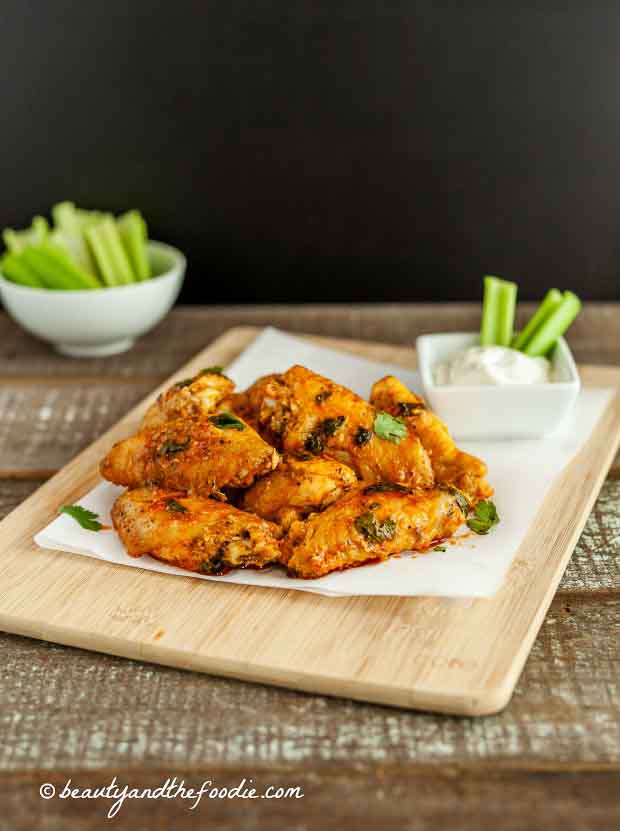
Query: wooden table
pixel 551 759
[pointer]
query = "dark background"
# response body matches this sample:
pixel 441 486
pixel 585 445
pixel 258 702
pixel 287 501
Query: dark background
pixel 308 150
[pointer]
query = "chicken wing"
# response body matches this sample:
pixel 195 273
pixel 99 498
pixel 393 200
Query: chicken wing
pixel 451 466
pixel 297 487
pixel 193 533
pixel 371 524
pixel 308 413
pixel 192 398
pixel 201 456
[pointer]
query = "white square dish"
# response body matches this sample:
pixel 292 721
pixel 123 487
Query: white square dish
pixel 515 411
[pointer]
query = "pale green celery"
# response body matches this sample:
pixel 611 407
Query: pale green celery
pixel 16 241
pixel 54 268
pixel 489 310
pixel 74 220
pixel 498 311
pixel 551 301
pixel 15 269
pixel 77 250
pixel 105 242
pixel 132 229
pixel 506 313
pixel 554 326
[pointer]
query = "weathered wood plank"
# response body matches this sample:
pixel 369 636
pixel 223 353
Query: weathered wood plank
pixel 440 797
pixel 188 329
pixel 43 426
pixel 566 709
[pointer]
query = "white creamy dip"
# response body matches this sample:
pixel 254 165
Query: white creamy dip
pixel 492 365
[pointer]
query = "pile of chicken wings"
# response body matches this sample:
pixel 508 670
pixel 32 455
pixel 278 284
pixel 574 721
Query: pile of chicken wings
pixel 297 470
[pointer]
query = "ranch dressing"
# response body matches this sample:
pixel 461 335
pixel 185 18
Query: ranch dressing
pixel 492 365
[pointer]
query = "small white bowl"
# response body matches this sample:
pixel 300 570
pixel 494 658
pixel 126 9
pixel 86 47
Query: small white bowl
pixel 515 411
pixel 91 323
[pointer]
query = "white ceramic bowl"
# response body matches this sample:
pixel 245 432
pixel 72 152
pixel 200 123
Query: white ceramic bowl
pixel 497 412
pixel 97 322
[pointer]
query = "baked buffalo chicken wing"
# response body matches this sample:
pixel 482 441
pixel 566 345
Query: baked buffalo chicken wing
pixel 191 398
pixel 302 412
pixel 371 524
pixel 298 487
pixel 451 466
pixel 193 533
pixel 200 457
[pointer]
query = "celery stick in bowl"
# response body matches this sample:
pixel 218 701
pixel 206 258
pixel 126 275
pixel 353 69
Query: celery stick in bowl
pixel 93 322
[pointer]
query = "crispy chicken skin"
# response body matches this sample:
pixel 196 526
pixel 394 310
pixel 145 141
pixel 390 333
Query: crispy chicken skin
pixel 193 533
pixel 198 456
pixel 297 487
pixel 371 525
pixel 191 398
pixel 266 406
pixel 309 413
pixel 451 466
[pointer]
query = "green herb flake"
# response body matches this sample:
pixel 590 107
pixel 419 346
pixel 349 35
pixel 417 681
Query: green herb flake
pixel 212 370
pixel 227 421
pixel 184 383
pixel 373 530
pixel 439 548
pixel 390 428
pixel 383 487
pixel 171 446
pixel 176 507
pixel 87 519
pixel 485 517
pixel 315 442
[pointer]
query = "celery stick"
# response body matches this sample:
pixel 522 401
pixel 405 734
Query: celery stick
pixel 74 220
pixel 106 245
pixel 53 271
pixel 16 241
pixel 498 311
pixel 551 301
pixel 132 229
pixel 13 268
pixel 64 260
pixel 76 248
pixel 488 327
pixel 554 326
pixel 506 313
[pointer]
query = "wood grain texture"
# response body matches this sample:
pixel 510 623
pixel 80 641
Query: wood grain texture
pixel 370 660
pixel 593 337
pixel 370 797
pixel 565 711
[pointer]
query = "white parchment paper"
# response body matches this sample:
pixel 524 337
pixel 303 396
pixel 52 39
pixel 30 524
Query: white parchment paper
pixel 520 471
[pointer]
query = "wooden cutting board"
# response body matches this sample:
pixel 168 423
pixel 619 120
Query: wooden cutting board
pixel 436 654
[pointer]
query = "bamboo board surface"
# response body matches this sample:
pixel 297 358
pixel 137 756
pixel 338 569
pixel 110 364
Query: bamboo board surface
pixel 427 653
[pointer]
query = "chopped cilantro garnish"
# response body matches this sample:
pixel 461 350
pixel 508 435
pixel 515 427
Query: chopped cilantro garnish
pixel 87 519
pixel 485 517
pixel 227 421
pixel 389 428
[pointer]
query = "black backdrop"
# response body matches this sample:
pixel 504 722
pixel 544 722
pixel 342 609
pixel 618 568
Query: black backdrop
pixel 323 150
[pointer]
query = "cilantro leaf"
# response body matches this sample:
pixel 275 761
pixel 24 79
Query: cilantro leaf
pixel 389 428
pixel 171 446
pixel 87 519
pixel 485 517
pixel 227 421
pixel 212 370
pixel 373 530
pixel 173 505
